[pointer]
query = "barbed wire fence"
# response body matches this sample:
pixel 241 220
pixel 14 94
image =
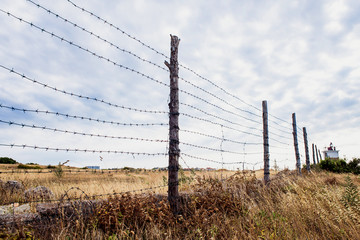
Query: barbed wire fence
pixel 215 128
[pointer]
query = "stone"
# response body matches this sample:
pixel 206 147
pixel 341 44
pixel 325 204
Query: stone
pixel 25 208
pixel 13 187
pixel 38 193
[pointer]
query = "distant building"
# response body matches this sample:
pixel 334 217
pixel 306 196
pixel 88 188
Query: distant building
pixel 331 152
pixel 93 167
pixel 210 169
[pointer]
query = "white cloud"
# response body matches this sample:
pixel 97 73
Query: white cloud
pixel 335 11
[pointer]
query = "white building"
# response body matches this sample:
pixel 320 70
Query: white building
pixel 331 152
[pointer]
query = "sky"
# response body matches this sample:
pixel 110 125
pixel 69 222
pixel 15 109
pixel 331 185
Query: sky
pixel 300 56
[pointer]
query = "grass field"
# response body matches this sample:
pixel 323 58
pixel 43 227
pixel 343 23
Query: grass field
pixel 98 182
pixel 319 205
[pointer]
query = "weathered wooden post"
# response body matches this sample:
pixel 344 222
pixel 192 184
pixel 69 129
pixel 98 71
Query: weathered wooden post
pixel 306 150
pixel 313 152
pixel 317 154
pixel 320 154
pixel 296 146
pixel 174 151
pixel 266 143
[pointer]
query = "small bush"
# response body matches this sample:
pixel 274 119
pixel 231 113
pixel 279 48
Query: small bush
pixel 25 166
pixel 351 195
pixel 6 160
pixel 51 166
pixel 59 172
pixel 340 165
pixel 334 165
pixel 354 165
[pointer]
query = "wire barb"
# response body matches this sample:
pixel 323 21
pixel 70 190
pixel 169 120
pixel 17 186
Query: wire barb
pixel 81 96
pixel 75 150
pixel 82 133
pixel 82 117
pixel 86 50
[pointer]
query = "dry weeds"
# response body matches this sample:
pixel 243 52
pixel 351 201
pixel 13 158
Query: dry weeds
pixel 241 207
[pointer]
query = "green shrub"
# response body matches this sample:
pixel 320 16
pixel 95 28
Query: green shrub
pixel 334 165
pixel 6 160
pixel 24 166
pixel 51 166
pixel 340 165
pixel 354 165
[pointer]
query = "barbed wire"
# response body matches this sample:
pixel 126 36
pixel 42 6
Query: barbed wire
pixel 61 199
pixel 279 153
pixel 221 148
pixel 122 66
pixel 273 139
pixel 280 147
pixel 219 124
pixel 78 171
pixel 162 54
pixel 118 29
pixel 280 119
pixel 80 133
pixel 280 136
pixel 219 162
pixel 78 95
pixel 215 116
pixel 287 131
pixel 97 36
pixel 62 39
pixel 81 117
pixel 132 54
pixel 211 149
pixel 218 138
pixel 222 89
pixel 216 106
pixel 222 100
pixel 115 63
pixel 79 150
pixel 158 52
pixel 192 170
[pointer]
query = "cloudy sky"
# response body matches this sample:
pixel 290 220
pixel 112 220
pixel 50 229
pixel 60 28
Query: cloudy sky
pixel 301 56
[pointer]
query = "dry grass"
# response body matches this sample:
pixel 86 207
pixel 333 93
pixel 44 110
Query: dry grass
pixel 290 207
pixel 97 183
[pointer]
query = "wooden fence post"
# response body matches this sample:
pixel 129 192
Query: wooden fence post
pixel 296 146
pixel 174 151
pixel 320 154
pixel 266 143
pixel 317 154
pixel 313 152
pixel 306 150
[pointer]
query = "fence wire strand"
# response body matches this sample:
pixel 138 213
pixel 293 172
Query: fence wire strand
pixel 79 95
pixel 75 150
pixel 92 53
pixel 163 55
pixel 23 125
pixel 80 117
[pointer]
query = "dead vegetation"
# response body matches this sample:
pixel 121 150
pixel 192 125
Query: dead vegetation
pixel 314 206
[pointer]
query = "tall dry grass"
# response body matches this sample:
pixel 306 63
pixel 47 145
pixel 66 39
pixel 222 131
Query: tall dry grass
pixel 313 206
pixel 98 182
